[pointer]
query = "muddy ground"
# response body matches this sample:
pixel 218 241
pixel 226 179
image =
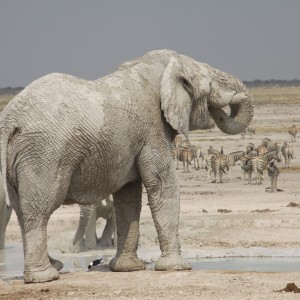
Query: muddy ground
pixel 216 220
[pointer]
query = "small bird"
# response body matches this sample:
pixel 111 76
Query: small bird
pixel 94 263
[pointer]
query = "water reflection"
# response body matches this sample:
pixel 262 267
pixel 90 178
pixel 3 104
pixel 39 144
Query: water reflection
pixel 12 262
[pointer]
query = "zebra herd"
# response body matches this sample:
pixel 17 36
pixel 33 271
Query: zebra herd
pixel 187 153
pixel 254 160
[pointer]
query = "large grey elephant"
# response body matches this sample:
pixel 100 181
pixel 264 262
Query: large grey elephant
pixel 86 236
pixel 67 140
pixel 5 213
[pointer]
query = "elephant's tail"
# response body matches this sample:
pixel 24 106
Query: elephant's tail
pixel 5 137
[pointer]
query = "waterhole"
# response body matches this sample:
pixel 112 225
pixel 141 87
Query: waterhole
pixel 12 262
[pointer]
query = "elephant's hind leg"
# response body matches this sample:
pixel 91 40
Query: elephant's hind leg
pixel 38 267
pixel 34 205
pixel 127 203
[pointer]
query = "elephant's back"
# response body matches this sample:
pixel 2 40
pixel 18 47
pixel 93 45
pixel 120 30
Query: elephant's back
pixel 55 100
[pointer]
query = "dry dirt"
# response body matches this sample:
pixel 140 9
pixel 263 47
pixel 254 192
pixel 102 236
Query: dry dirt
pixel 216 219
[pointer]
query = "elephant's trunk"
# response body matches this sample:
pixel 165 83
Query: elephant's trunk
pixel 241 114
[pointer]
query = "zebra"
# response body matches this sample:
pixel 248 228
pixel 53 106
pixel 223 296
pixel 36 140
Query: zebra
pixel 197 154
pixel 208 164
pixel 232 158
pixel 213 151
pixel 270 145
pixel 273 173
pixel 261 150
pixel 218 164
pixel 265 142
pixel 287 152
pixel 249 147
pixel 259 163
pixel 274 146
pixel 293 132
pixel 247 166
pixel 181 150
pixel 185 155
pixel 177 141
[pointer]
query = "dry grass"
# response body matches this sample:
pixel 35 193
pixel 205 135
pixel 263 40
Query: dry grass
pixel 266 130
pixel 276 95
pixel 294 169
pixel 4 99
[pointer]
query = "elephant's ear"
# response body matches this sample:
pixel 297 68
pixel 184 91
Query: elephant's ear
pixel 175 93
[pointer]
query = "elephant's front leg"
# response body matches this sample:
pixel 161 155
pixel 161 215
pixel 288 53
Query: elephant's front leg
pixel 128 204
pixel 160 179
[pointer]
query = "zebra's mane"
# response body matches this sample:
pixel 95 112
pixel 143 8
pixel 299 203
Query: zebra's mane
pixel 237 152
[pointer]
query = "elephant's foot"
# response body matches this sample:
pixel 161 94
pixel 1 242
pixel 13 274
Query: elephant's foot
pixel 49 274
pixel 58 265
pixel 172 261
pixel 126 263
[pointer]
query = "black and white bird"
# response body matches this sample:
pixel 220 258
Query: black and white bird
pixel 94 263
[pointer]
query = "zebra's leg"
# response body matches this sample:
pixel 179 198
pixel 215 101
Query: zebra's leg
pixel 229 173
pixel 244 177
pixel 188 165
pixel 221 175
pixel 272 183
pixel 271 180
pixel 215 177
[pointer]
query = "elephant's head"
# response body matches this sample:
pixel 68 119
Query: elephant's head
pixel 192 93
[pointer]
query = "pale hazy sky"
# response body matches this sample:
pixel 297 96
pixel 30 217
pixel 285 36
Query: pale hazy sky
pixel 251 39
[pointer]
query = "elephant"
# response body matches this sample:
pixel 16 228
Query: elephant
pixel 5 213
pixel 70 140
pixel 87 226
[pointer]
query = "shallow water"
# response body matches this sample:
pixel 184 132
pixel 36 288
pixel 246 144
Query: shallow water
pixel 257 264
pixel 12 262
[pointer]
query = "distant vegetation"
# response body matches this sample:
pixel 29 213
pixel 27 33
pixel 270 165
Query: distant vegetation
pixel 6 94
pixel 10 91
pixel 263 91
pixel 272 83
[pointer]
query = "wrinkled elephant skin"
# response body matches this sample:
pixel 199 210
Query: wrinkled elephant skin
pixel 69 139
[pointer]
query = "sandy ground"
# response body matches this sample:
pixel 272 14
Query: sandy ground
pixel 216 220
